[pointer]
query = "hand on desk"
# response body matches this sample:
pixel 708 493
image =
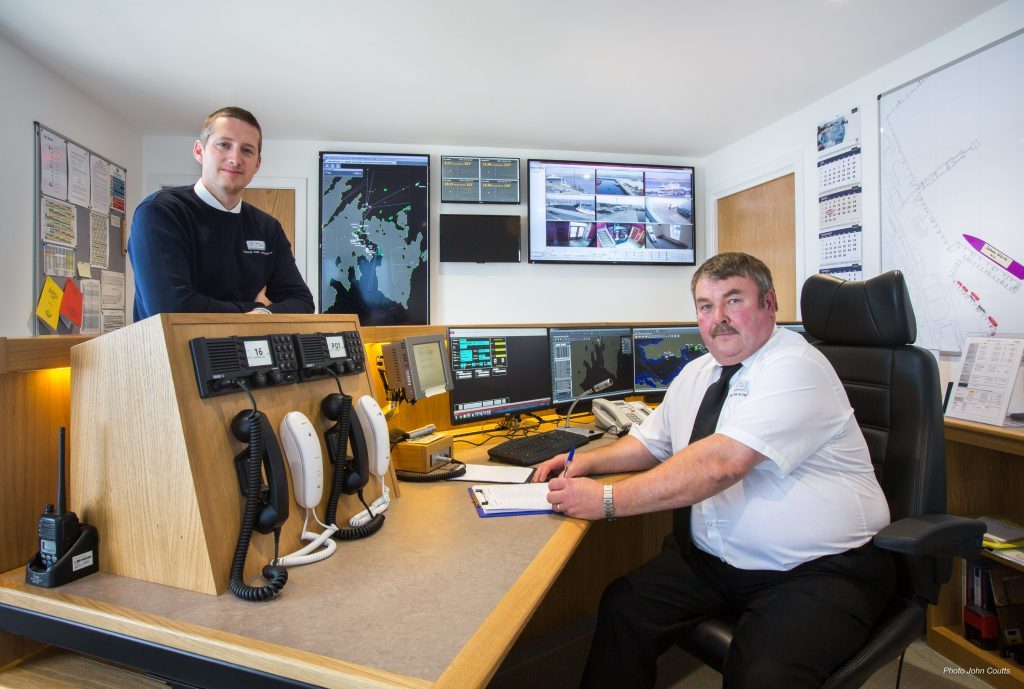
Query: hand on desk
pixel 582 498
pixel 554 466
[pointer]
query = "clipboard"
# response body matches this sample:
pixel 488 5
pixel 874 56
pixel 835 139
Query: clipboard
pixel 510 498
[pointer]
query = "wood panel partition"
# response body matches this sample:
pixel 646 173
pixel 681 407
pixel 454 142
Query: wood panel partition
pixel 152 464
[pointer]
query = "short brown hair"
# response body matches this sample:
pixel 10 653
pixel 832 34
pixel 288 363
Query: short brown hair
pixel 234 113
pixel 735 264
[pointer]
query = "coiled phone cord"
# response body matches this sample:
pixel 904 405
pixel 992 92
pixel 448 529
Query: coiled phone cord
pixel 340 453
pixel 276 577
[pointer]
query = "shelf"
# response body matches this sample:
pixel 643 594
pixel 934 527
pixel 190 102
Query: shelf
pixel 985 665
pixel 995 558
pixel 54 668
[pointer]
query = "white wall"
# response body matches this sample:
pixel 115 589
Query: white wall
pixel 471 293
pixel 34 93
pixel 792 140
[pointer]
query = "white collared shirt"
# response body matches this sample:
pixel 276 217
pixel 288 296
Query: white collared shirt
pixel 210 200
pixel 815 495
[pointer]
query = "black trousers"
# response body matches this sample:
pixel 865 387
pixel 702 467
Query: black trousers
pixel 794 628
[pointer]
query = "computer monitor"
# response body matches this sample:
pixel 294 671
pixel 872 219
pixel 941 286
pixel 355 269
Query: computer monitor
pixel 659 354
pixel 498 372
pixel 583 357
pixel 418 365
pixel 479 238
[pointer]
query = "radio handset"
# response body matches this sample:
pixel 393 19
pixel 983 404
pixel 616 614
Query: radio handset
pixel 266 508
pixel 305 460
pixel 350 474
pixel 370 420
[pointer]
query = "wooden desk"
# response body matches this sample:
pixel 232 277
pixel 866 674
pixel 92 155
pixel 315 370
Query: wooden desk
pixel 985 476
pixel 435 599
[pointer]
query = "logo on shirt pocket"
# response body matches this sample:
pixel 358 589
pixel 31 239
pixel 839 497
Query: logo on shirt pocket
pixel 256 246
pixel 740 389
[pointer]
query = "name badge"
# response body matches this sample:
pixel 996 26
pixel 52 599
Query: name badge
pixel 741 388
pixel 256 245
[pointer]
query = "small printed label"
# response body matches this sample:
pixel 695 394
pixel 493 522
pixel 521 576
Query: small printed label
pixel 740 389
pixel 81 561
pixel 256 245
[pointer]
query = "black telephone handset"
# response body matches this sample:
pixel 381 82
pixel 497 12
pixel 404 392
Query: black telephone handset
pixel 272 496
pixel 350 474
pixel 266 508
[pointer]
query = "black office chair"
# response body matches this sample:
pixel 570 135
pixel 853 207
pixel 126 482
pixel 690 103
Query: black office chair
pixel 865 330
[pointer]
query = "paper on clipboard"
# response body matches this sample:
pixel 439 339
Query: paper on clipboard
pixel 984 382
pixel 506 500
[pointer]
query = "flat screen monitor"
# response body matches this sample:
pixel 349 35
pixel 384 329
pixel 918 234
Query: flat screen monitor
pixel 583 357
pixel 610 213
pixel 374 237
pixel 480 238
pixel 466 179
pixel 418 365
pixel 498 372
pixel 660 353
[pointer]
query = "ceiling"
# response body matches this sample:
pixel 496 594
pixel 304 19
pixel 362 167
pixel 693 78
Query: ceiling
pixel 657 77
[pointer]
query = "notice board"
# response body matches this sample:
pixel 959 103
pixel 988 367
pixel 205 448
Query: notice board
pixel 80 238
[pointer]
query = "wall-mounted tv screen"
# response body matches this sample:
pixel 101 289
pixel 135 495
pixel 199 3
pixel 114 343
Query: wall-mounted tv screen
pixel 610 213
pixel 374 237
pixel 480 238
pixel 465 179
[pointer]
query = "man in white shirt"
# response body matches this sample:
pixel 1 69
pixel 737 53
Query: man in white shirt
pixel 784 504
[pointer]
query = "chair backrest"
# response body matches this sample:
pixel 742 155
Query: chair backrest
pixel 866 330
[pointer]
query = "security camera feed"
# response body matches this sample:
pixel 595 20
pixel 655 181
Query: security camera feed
pixel 498 372
pixel 374 237
pixel 582 358
pixel 610 213
pixel 661 353
pixel 479 180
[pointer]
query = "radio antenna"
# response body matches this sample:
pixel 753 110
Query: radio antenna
pixel 62 506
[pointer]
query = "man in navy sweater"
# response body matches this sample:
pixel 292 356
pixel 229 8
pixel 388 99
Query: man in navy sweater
pixel 201 249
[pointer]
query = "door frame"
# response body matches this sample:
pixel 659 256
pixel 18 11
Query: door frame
pixel 791 164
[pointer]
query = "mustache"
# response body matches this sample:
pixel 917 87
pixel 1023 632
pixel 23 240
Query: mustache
pixel 722 329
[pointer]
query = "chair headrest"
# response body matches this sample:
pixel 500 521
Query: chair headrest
pixel 875 312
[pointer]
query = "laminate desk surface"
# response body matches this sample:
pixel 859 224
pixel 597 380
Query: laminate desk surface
pixel 437 590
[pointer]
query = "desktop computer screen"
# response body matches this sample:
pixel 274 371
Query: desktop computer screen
pixel 583 357
pixel 498 372
pixel 660 353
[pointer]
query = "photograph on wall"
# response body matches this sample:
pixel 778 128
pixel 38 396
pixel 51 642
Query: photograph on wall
pixel 374 241
pixel 842 131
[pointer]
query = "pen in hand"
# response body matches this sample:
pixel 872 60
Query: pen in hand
pixel 568 461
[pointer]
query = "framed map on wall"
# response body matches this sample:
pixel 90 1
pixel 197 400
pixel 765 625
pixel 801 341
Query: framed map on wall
pixel 374 239
pixel 951 179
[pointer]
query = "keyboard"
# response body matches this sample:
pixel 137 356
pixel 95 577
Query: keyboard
pixel 532 449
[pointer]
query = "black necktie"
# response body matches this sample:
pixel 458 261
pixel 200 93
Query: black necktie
pixel 703 425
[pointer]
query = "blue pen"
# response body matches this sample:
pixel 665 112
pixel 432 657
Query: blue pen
pixel 568 461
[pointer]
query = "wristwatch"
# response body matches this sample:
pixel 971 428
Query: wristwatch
pixel 609 507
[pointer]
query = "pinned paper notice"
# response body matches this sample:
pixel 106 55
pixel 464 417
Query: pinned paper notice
pixel 71 305
pixel 48 308
pixel 84 269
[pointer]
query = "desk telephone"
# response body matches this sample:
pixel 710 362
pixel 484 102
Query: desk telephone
pixel 617 416
pixel 232 364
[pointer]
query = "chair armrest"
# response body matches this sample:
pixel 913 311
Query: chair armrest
pixel 934 535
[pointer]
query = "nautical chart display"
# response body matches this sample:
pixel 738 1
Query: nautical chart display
pixel 951 180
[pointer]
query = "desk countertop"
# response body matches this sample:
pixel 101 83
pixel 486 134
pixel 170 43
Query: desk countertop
pixel 436 598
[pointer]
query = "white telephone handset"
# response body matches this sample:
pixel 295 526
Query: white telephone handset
pixel 617 416
pixel 378 449
pixel 306 463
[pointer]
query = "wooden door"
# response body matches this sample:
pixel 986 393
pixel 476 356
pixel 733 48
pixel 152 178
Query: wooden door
pixel 279 203
pixel 762 221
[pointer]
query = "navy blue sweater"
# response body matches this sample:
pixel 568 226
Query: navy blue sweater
pixel 189 257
